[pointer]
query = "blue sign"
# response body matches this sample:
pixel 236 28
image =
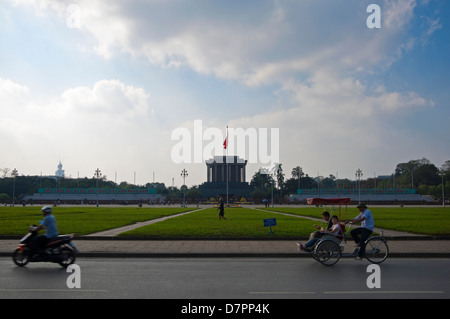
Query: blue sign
pixel 270 222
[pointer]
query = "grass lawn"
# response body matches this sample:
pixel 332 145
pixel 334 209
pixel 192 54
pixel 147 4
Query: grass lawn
pixel 79 220
pixel 242 222
pixel 419 220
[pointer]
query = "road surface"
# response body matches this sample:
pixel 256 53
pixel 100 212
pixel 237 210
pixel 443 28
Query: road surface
pixel 223 278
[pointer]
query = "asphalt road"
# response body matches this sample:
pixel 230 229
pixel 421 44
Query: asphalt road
pixel 223 278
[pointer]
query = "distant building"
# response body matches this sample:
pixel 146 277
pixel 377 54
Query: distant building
pixel 375 195
pixel 218 167
pixel 60 172
pixel 217 170
pixel 85 196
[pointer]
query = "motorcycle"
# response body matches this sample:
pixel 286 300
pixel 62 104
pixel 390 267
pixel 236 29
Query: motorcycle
pixel 59 250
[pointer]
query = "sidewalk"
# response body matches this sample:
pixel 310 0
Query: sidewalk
pixel 112 247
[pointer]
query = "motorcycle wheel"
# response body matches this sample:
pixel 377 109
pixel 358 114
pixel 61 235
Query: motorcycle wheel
pixel 67 257
pixel 20 258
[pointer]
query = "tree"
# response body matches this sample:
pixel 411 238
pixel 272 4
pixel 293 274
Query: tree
pixel 405 172
pixel 427 174
pixel 328 182
pixel 258 195
pixel 261 181
pixel 4 198
pixel 291 186
pixel 4 172
pixel 446 167
pixel 280 179
pixel 297 172
pixel 194 193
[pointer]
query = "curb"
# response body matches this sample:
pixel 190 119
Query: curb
pixel 122 238
pixel 123 253
pixel 231 255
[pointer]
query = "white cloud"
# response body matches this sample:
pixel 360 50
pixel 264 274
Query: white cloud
pixel 108 122
pixel 397 14
pixel 255 43
pixel 316 55
pixel 109 98
pixel 9 89
pixel 336 123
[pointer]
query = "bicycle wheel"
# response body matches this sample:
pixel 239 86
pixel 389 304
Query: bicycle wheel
pixel 327 252
pixel 376 250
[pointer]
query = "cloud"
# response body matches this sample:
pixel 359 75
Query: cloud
pixel 9 88
pixel 109 98
pixel 397 14
pixel 336 122
pixel 319 58
pixel 431 26
pixel 109 121
pixel 256 43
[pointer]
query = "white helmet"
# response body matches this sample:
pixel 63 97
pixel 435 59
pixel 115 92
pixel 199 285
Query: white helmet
pixel 46 209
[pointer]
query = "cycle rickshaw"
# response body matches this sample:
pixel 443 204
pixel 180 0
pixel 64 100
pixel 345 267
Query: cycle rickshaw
pixel 329 249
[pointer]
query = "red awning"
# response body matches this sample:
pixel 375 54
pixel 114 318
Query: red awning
pixel 329 201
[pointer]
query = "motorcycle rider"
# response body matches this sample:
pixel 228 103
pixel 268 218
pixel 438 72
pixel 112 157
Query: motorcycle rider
pixel 51 230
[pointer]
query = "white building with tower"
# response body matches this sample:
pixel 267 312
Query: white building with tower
pixel 60 171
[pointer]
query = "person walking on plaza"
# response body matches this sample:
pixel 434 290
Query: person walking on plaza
pixel 221 209
pixel 361 234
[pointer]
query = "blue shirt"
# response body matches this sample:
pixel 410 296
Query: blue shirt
pixel 368 222
pixel 50 225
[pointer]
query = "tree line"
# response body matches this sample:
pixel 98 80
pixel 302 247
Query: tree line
pixel 421 175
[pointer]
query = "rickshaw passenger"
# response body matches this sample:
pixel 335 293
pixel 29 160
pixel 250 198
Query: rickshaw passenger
pixel 319 233
pixel 334 231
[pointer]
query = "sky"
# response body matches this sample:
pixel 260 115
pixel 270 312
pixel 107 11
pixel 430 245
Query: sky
pixel 108 84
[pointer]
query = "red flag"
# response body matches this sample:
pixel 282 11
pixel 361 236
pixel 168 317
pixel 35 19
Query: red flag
pixel 226 140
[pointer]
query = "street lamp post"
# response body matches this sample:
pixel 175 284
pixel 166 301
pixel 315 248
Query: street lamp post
pixel 184 174
pixel 273 182
pixel 14 174
pixel 97 175
pixel 442 183
pixel 358 175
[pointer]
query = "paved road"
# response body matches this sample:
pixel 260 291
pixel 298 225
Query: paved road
pixel 223 278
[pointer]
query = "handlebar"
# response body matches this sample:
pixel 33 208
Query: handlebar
pixel 348 227
pixel 32 228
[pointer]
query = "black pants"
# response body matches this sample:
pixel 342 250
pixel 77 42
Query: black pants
pixel 360 235
pixel 39 243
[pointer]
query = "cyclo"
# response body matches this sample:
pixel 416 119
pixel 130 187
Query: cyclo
pixel 329 249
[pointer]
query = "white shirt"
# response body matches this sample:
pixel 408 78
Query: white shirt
pixel 368 222
pixel 335 229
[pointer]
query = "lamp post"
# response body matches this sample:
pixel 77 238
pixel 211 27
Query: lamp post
pixel 14 174
pixel 184 174
pixel 358 175
pixel 273 182
pixel 441 172
pixel 97 175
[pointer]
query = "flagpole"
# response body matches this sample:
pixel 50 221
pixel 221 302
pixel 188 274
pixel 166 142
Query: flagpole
pixel 226 159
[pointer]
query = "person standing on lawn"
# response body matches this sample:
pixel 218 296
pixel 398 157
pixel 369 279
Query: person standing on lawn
pixel 221 209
